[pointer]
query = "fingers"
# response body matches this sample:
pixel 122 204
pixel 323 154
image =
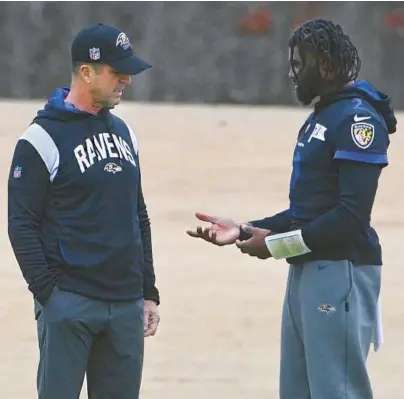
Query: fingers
pixel 246 248
pixel 146 317
pixel 254 230
pixel 255 253
pixel 200 232
pixel 152 321
pixel 249 229
pixel 192 233
pixel 206 218
pixel 243 245
pixel 205 233
pixel 152 330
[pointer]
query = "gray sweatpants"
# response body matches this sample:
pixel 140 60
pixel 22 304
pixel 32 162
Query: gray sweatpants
pixel 328 319
pixel 78 335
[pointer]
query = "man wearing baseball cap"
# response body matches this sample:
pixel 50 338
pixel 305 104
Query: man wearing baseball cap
pixel 105 44
pixel 103 63
pixel 80 231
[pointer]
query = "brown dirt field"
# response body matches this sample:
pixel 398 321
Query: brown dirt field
pixel 219 334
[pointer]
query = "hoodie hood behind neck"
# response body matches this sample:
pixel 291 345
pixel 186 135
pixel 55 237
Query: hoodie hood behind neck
pixel 365 90
pixel 58 109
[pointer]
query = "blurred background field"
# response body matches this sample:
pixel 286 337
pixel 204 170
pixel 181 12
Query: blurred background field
pixel 216 123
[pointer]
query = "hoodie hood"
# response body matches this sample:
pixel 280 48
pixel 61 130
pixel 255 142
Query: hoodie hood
pixel 58 109
pixel 365 90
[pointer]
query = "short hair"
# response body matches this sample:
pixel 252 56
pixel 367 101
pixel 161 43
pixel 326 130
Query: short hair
pixel 323 37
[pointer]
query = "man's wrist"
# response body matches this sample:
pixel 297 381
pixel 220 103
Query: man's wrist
pixel 152 301
pixel 286 245
pixel 243 236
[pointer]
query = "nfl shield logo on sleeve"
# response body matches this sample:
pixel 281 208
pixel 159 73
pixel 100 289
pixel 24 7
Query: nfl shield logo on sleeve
pixel 94 53
pixel 17 172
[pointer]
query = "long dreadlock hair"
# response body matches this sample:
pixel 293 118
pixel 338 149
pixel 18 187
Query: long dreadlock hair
pixel 326 39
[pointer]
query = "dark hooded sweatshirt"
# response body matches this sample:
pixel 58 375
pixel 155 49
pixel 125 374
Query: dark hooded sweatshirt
pixel 340 152
pixel 77 218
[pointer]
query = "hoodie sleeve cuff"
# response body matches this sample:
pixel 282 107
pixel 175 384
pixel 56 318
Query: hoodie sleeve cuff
pixel 152 294
pixel 43 297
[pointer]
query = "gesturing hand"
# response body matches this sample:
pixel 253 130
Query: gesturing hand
pixel 255 246
pixel 221 231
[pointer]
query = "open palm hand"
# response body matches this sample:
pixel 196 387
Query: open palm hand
pixel 221 231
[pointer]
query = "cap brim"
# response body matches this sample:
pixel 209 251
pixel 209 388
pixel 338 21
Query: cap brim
pixel 130 66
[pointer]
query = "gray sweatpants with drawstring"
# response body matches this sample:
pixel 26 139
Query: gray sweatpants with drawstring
pixel 328 320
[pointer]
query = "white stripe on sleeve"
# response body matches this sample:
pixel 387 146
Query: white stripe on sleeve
pixel 45 146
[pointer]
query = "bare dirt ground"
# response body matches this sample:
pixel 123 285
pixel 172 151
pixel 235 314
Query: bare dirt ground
pixel 219 334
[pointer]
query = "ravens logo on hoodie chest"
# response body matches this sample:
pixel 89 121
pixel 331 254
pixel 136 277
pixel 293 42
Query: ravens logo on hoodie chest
pixel 103 159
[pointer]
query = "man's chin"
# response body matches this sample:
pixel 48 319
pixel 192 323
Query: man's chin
pixel 116 99
pixel 114 102
pixel 304 99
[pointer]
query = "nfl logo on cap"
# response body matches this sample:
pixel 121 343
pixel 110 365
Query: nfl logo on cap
pixel 94 53
pixel 17 172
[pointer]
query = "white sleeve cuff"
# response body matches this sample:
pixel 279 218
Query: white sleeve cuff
pixel 286 245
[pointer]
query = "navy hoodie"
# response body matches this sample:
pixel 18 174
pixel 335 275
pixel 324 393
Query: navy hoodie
pixel 77 218
pixel 339 154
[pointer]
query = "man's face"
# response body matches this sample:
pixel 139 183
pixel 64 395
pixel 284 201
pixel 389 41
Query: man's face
pixel 107 86
pixel 305 76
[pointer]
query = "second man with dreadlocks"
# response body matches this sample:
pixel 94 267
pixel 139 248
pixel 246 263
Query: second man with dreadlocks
pixel 331 308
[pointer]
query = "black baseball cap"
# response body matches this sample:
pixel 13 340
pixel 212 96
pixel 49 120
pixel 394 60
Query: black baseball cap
pixel 106 44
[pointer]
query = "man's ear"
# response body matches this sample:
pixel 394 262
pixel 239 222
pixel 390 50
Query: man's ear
pixel 325 67
pixel 85 72
pixel 325 62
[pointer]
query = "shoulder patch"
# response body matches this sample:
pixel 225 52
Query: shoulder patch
pixel 317 133
pixel 363 134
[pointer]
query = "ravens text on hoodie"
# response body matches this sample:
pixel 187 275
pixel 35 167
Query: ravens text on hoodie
pixel 77 218
pixel 340 152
